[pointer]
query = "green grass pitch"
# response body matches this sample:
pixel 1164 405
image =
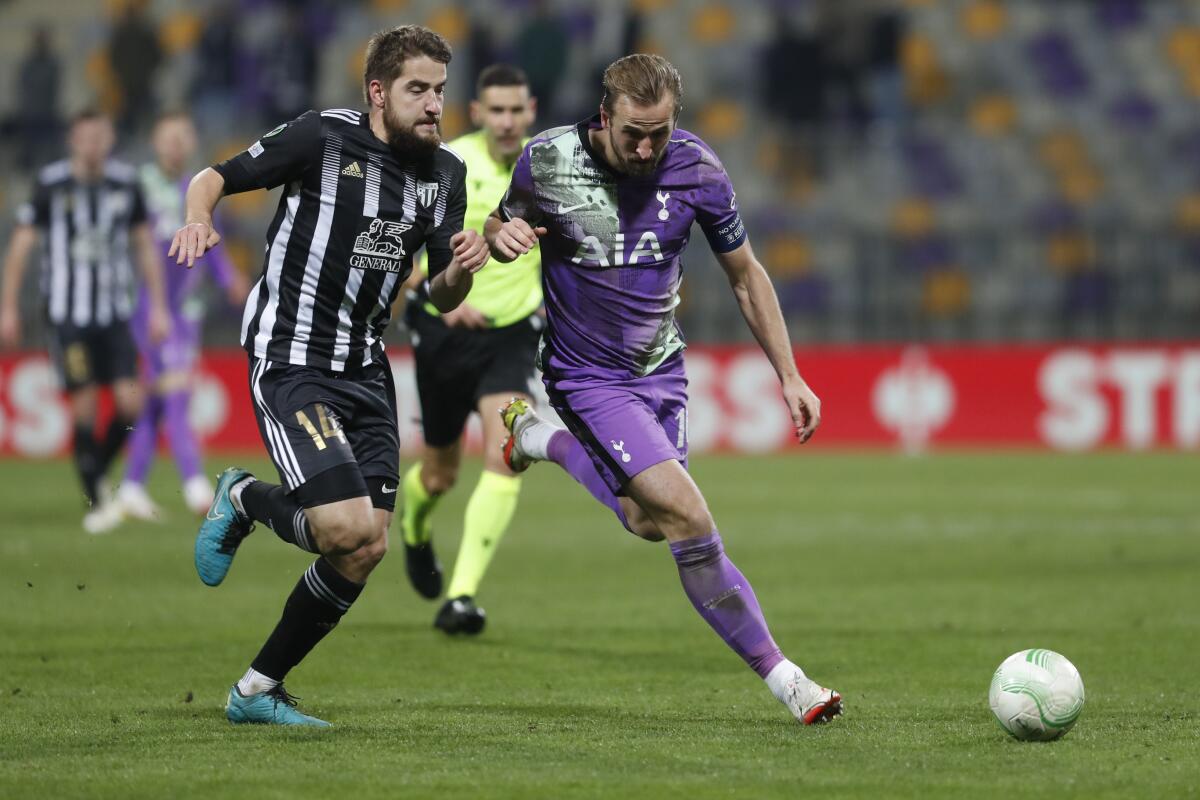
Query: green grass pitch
pixel 902 582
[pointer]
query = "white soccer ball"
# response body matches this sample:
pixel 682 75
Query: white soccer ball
pixel 1036 695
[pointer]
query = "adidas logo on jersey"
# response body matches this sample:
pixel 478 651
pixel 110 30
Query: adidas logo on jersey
pixel 353 170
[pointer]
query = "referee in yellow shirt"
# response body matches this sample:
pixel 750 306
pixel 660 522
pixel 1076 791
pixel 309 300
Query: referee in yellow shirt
pixel 473 359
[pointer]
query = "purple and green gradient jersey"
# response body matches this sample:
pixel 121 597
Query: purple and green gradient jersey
pixel 165 204
pixel 611 260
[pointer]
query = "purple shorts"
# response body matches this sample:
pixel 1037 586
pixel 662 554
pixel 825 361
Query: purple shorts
pixel 626 425
pixel 177 353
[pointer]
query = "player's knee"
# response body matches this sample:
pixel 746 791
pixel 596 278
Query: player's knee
pixel 350 532
pixel 686 523
pixel 440 481
pixel 374 551
pixel 438 475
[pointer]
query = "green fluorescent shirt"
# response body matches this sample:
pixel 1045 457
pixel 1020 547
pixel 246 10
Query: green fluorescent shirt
pixel 504 293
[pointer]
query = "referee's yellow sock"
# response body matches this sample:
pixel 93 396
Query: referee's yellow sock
pixel 489 511
pixel 418 505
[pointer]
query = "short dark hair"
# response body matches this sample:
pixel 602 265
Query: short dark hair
pixel 500 75
pixel 388 50
pixel 87 114
pixel 645 79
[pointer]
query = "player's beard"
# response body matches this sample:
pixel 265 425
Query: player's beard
pixel 404 139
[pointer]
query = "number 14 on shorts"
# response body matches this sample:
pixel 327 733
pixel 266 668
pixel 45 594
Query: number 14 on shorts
pixel 330 427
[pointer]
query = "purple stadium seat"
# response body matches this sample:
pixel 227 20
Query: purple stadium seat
pixel 1087 292
pixel 1120 15
pixel 808 294
pixel 1061 73
pixel 927 253
pixel 930 169
pixel 1133 111
pixel 1053 216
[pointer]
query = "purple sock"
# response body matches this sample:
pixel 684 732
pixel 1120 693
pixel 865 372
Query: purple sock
pixel 566 451
pixel 143 441
pixel 180 435
pixel 722 595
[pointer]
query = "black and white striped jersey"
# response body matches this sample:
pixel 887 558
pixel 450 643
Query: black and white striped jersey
pixel 87 275
pixel 351 217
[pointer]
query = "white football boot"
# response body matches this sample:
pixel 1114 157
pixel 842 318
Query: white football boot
pixel 103 518
pixel 136 503
pixel 808 701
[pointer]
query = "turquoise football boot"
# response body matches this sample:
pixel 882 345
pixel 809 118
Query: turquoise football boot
pixel 273 707
pixel 223 529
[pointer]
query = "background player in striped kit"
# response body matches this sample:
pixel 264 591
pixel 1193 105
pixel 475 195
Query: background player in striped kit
pixel 363 193
pixel 167 366
pixel 473 359
pixel 92 217
pixel 613 200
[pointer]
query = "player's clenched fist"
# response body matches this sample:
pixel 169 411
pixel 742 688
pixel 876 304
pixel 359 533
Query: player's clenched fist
pixel 517 237
pixel 470 250
pixel 191 241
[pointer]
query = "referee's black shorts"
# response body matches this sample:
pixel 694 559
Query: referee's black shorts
pixel 457 366
pixel 332 435
pixel 93 354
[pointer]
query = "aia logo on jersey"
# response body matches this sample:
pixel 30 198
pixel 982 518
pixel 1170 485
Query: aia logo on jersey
pixel 380 246
pixel 594 253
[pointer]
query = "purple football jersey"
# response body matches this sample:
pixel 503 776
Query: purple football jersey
pixel 165 204
pixel 611 260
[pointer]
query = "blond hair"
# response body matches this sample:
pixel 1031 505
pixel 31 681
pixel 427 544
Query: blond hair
pixel 645 79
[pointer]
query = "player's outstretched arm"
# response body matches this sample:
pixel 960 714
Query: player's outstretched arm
pixel 23 240
pixel 508 240
pixel 450 287
pixel 760 306
pixel 197 235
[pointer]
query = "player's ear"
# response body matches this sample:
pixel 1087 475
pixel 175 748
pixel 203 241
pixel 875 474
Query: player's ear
pixel 604 118
pixel 377 94
pixel 476 109
pixel 532 110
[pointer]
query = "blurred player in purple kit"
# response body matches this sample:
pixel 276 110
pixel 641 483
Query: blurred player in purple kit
pixel 612 201
pixel 167 366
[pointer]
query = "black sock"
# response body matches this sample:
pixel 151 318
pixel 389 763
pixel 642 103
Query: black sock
pixel 86 461
pixel 270 504
pixel 314 607
pixel 114 438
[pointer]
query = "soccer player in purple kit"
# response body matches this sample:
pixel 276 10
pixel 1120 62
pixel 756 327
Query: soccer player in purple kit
pixel 611 202
pixel 167 366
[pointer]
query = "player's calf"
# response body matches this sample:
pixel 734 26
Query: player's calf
pixel 639 522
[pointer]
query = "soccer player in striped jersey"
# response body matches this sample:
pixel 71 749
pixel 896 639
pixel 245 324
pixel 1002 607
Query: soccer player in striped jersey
pixel 611 203
pixel 92 217
pixel 473 359
pixel 363 192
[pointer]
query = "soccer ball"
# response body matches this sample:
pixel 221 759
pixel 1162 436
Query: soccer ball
pixel 1036 695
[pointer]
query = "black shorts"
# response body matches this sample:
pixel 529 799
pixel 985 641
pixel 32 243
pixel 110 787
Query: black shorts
pixel 331 435
pixel 93 354
pixel 457 366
